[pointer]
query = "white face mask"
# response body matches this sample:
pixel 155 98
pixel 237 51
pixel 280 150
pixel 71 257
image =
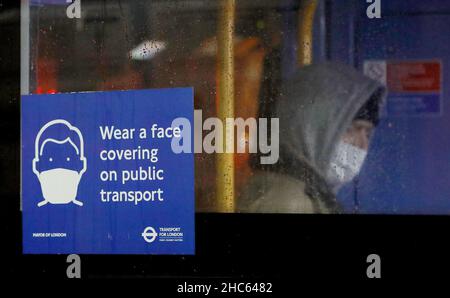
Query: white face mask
pixel 345 164
pixel 59 186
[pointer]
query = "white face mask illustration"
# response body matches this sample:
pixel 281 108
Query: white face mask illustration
pixel 59 163
pixel 59 186
pixel 345 164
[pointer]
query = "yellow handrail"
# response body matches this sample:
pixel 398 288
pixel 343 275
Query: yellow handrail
pixel 225 106
pixel 305 32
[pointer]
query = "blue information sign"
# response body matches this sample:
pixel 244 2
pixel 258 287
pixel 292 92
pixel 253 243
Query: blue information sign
pixel 100 176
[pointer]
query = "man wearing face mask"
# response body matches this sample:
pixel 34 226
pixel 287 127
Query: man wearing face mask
pixel 59 162
pixel 327 113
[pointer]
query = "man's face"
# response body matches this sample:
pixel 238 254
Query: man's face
pixel 359 134
pixel 59 156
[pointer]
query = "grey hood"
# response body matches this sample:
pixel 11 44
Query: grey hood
pixel 316 107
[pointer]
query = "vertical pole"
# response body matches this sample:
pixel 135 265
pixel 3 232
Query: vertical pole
pixel 24 47
pixel 225 104
pixel 305 32
pixel 24 64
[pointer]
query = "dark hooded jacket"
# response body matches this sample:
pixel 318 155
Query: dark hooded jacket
pixel 316 107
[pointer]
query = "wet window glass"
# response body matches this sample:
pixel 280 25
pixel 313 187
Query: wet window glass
pixel 348 101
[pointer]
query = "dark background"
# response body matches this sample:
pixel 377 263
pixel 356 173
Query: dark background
pixel 286 250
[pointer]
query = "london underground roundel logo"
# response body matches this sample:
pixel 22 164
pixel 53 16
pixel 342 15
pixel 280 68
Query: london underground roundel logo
pixel 149 234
